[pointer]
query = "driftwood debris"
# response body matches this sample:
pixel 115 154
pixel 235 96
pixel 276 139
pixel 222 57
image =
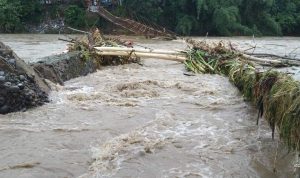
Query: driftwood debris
pixel 180 56
pixel 279 62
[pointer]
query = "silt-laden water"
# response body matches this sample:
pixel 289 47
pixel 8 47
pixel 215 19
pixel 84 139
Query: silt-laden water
pixel 135 120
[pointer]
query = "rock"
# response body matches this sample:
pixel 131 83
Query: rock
pixel 12 62
pixel 2 101
pixel 4 109
pixel 2 79
pixel 13 89
pixel 7 84
pixel 2 73
pixel 22 78
pixel 21 86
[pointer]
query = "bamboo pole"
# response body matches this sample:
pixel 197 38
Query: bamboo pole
pixel 167 54
pixel 139 50
pixel 171 57
pixel 261 60
pixel 272 55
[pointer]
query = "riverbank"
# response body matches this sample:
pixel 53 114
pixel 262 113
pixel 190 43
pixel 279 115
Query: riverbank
pixel 30 83
pixel 20 87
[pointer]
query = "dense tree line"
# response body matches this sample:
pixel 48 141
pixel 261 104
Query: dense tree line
pixel 222 17
pixel 187 17
pixel 16 14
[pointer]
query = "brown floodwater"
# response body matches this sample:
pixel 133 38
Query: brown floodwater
pixel 135 120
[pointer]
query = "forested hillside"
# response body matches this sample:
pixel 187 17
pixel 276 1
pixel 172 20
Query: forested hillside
pixel 186 17
pixel 222 17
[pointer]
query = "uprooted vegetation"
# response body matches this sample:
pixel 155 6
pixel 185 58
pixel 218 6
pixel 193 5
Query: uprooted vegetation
pixel 81 58
pixel 86 43
pixel 276 94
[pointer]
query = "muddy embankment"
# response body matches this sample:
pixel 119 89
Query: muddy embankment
pixel 24 86
pixel 20 86
pixel 63 67
pixel 27 85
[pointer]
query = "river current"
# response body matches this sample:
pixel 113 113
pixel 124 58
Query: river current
pixel 141 120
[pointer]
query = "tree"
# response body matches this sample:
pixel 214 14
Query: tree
pixel 185 24
pixel 31 11
pixel 75 16
pixel 186 17
pixel 9 15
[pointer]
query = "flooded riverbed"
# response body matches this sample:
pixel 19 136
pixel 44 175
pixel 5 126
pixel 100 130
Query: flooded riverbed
pixel 135 120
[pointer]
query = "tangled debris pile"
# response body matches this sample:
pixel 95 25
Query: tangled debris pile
pixel 81 59
pixel 277 95
pixel 23 86
pixel 87 43
pixel 20 87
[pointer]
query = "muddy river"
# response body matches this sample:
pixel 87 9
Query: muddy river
pixel 144 121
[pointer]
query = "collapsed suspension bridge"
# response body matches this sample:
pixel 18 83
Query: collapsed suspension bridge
pixel 136 27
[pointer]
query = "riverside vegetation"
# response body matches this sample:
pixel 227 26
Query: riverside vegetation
pixel 197 17
pixel 276 94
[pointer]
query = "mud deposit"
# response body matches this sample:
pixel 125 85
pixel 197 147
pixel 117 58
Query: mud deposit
pixel 140 121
